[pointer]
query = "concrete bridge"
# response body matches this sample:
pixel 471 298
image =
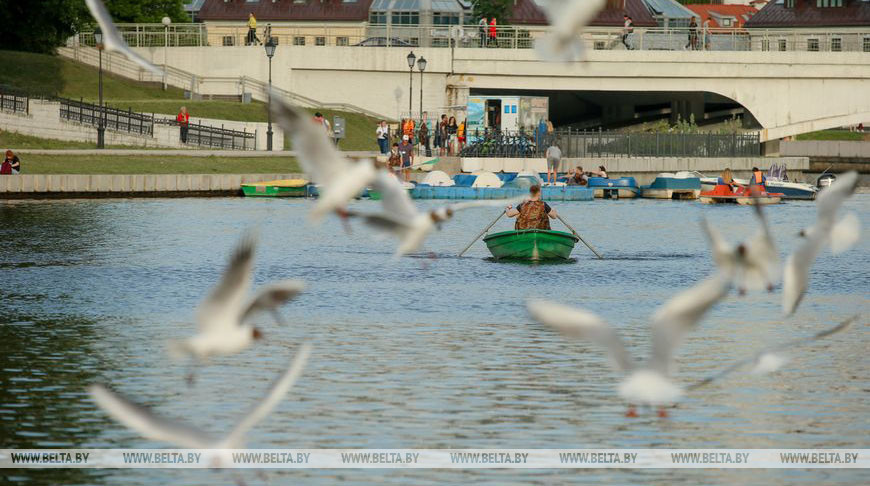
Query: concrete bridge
pixel 786 93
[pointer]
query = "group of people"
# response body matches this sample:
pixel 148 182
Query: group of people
pixel 487 32
pixel 578 178
pixel 11 164
pixel 699 40
pixel 756 181
pixel 449 137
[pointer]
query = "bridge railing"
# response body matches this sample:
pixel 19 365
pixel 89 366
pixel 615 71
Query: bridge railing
pixel 506 37
pixel 583 144
pixel 216 137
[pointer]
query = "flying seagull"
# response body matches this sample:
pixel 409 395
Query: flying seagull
pixel 402 219
pixel 340 180
pixel 223 316
pixel 150 426
pixel 564 42
pixel 753 265
pixel 112 38
pixel 772 359
pixel 648 383
pixel 839 235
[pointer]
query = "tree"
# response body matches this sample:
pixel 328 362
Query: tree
pixel 146 11
pixel 500 9
pixel 40 25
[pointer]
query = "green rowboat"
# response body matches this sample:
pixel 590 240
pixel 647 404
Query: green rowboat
pixel 280 188
pixel 532 245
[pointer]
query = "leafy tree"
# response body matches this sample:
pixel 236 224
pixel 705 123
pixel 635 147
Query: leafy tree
pixel 146 11
pixel 39 25
pixel 500 9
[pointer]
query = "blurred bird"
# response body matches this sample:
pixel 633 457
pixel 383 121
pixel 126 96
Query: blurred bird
pixel 402 219
pixel 648 383
pixel 150 426
pixel 753 265
pixel 339 179
pixel 839 235
pixel 772 359
pixel 567 18
pixel 112 38
pixel 222 318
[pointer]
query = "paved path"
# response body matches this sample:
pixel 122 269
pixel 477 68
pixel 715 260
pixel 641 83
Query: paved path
pixel 184 153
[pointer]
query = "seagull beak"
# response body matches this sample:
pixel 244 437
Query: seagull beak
pixel 257 334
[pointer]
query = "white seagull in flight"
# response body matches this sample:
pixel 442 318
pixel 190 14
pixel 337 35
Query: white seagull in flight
pixel 402 218
pixel 839 235
pixel 112 38
pixel 564 41
pixel 223 316
pixel 648 383
pixel 339 179
pixel 753 265
pixel 150 426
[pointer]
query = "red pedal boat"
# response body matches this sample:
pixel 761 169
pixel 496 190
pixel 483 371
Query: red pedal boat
pixel 722 194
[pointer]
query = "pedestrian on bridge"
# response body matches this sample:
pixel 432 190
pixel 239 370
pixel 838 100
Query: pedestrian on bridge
pixel 252 31
pixel 627 29
pixel 183 120
pixel 481 31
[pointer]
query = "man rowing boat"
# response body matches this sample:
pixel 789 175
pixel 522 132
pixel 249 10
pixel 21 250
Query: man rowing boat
pixel 533 213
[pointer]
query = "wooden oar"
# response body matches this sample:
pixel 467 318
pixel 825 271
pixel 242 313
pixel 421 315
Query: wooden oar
pixel 578 236
pixel 482 233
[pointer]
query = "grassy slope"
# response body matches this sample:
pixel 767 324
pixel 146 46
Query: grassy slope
pixel 834 135
pixel 45 75
pixel 108 164
pixel 19 141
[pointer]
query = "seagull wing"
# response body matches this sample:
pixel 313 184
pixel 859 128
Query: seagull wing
pixel 845 233
pixel 723 253
pixel 761 258
pixel 225 301
pixel 796 275
pixel 679 315
pixel 112 38
pixel 578 323
pixel 485 203
pixel 143 421
pixel 760 357
pixel 272 296
pixel 274 396
pixel 394 197
pixel 314 151
pixel 568 18
pixel 829 199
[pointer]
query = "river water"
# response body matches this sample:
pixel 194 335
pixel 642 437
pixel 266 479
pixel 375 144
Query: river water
pixel 432 351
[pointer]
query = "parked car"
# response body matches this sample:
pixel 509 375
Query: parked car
pixel 384 42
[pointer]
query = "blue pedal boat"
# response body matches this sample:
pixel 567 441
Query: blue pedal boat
pixel 681 185
pixel 624 187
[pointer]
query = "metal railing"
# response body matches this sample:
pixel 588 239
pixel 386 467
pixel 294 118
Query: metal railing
pixel 507 37
pixel 14 101
pixel 155 35
pixel 113 118
pixel 215 137
pixel 582 144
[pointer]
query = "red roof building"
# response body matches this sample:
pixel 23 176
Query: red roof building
pixel 527 12
pixel 808 14
pixel 723 16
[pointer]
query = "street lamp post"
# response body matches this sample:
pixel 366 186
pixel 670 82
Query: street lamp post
pixel 166 21
pixel 270 51
pixel 101 126
pixel 421 65
pixel 412 59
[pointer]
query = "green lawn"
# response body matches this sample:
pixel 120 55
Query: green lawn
pixel 834 135
pixel 19 141
pixel 45 75
pixel 142 164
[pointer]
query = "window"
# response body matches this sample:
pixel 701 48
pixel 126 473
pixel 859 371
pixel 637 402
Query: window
pixel 406 18
pixel 299 41
pixel 829 3
pixel 599 45
pixel 726 22
pixel 444 18
pixel 789 3
pixel 783 46
pixel 320 41
pixel 379 18
pixel 813 45
pixel 836 44
pixel 867 44
pixel 229 40
pixel 765 44
pixel 342 41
